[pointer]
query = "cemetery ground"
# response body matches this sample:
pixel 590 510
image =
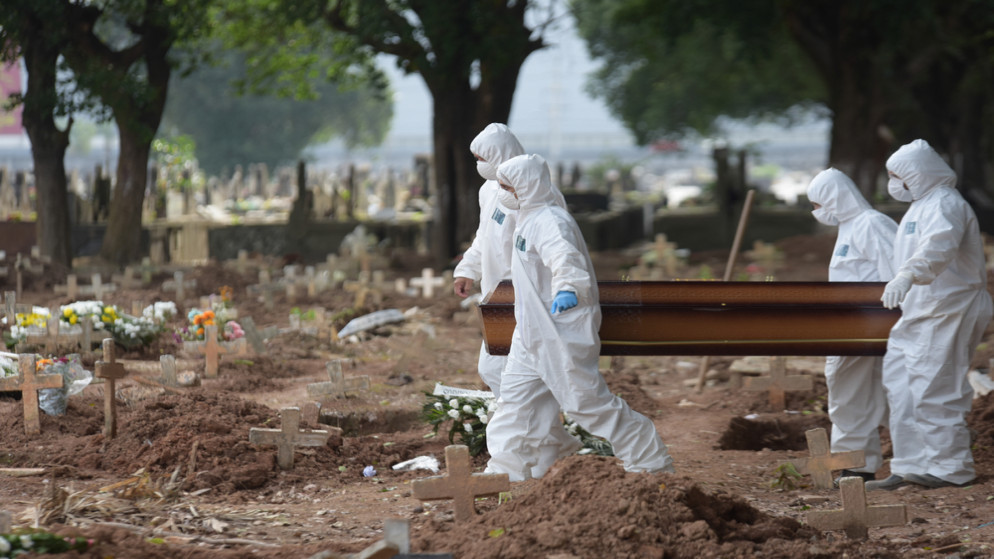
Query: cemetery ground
pixel 182 479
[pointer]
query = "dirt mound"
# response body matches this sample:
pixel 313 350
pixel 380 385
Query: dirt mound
pixel 590 507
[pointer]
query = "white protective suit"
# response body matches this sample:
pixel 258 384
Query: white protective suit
pixel 943 318
pixel 488 260
pixel 554 357
pixel 864 251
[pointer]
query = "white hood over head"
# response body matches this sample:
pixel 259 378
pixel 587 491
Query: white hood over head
pixel 921 168
pixel 837 194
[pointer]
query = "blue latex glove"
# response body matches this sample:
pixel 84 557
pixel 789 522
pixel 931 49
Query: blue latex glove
pixel 564 300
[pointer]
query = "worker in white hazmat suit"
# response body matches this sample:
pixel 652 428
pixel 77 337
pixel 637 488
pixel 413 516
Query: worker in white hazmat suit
pixel 941 286
pixel 488 259
pixel 864 251
pixel 555 346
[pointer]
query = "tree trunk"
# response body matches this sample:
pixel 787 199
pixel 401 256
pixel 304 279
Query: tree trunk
pixel 122 240
pixel 48 151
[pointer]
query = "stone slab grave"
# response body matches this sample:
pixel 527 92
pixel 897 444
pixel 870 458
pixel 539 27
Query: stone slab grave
pixel 265 289
pixel 28 382
pixel 111 371
pixel 856 517
pixel 212 349
pixel 822 461
pixel 97 288
pixel 460 485
pixel 337 386
pixel 288 436
pixel 778 383
pixel 179 285
pixel 428 282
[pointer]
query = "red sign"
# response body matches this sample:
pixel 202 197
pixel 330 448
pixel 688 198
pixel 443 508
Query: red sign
pixel 10 83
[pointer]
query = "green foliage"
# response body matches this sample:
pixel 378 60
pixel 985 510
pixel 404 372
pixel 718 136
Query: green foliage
pixel 27 541
pixel 176 158
pixel 788 478
pixel 668 70
pixel 235 125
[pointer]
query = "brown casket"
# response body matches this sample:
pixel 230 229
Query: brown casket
pixel 723 318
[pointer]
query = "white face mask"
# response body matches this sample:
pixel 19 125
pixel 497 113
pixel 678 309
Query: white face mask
pixel 508 200
pixel 822 215
pixel 896 189
pixel 486 170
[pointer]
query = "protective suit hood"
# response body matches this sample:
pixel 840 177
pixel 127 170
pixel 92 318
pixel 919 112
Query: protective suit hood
pixel 921 168
pixel 837 194
pixel 496 144
pixel 532 181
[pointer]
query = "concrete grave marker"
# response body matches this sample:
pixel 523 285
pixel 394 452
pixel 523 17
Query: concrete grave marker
pixel 337 386
pixel 179 285
pixel 428 283
pixel 255 338
pixel 460 485
pixel 856 517
pixel 111 371
pixel 288 436
pixel 167 364
pixel 265 288
pixel 778 383
pixel 822 461
pixel 28 383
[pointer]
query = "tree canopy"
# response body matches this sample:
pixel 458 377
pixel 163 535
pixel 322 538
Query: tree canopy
pixel 887 72
pixel 234 126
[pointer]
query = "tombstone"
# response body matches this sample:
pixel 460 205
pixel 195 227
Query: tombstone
pixel 856 517
pixel 111 371
pixel 178 285
pixel 28 383
pixel 265 288
pixel 428 282
pixel 288 436
pixel 337 386
pixel 167 364
pixel 778 383
pixel 460 485
pixel 255 338
pixel 822 460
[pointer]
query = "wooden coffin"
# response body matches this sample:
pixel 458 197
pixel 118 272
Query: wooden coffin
pixel 723 318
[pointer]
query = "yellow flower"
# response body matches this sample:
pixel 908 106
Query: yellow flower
pixel 67 312
pixel 73 319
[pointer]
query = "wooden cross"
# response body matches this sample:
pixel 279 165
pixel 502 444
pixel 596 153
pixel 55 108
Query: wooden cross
pixel 211 348
pixel 97 288
pixel 167 364
pixel 856 517
pixel 111 371
pixel 778 383
pixel 337 385
pixel 28 382
pixel 127 279
pixel 363 290
pixel 11 308
pixel 462 486
pixel 287 437
pixel 428 282
pixel 70 289
pixel 178 285
pixel 822 460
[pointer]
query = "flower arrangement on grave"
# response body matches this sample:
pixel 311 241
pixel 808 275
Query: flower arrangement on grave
pixel 39 542
pixel 74 379
pixel 8 365
pixel 194 331
pixel 128 331
pixel 35 321
pixel 469 417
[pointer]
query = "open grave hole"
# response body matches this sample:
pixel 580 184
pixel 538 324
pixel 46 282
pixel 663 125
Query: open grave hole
pixel 773 432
